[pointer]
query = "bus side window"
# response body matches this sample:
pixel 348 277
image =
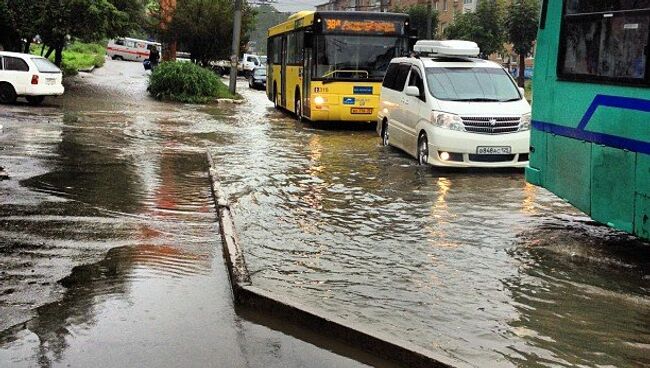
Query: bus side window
pixel 606 48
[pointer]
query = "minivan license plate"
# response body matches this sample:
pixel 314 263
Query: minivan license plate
pixel 505 150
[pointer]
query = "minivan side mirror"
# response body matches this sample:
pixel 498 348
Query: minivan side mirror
pixel 412 91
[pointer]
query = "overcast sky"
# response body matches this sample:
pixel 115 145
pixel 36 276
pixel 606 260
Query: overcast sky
pixel 297 5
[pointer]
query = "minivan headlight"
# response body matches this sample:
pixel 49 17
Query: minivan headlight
pixel 447 121
pixel 524 122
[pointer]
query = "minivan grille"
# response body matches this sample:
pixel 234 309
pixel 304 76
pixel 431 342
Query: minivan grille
pixel 488 125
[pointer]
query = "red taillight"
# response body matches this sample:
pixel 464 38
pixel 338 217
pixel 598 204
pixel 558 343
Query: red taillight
pixel 34 79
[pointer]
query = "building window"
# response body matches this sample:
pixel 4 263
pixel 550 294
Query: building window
pixel 444 5
pixel 604 42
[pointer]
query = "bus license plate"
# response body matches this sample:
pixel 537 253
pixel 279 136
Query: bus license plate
pixel 361 110
pixel 505 150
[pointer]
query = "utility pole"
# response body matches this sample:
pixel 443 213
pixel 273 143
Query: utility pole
pixel 381 6
pixel 429 35
pixel 236 35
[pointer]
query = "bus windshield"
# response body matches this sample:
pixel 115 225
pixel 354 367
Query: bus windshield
pixel 356 57
pixel 471 84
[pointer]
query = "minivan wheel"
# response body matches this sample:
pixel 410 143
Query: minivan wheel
pixel 384 133
pixel 423 149
pixel 35 100
pixel 7 93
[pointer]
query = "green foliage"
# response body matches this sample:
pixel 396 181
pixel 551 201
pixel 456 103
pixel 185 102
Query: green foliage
pixel 78 56
pixel 203 27
pixel 186 82
pixel 521 24
pixel 58 20
pixel 486 26
pixel 266 17
pixel 419 14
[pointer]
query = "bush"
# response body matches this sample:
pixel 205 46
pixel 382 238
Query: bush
pixel 186 82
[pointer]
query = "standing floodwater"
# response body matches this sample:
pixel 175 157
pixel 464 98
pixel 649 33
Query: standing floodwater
pixel 476 264
pixel 110 252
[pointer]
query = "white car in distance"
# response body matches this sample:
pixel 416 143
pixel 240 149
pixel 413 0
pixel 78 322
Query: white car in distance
pixel 29 76
pixel 446 107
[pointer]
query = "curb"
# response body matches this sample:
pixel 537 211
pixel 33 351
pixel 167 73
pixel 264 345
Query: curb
pixel 360 337
pixel 87 70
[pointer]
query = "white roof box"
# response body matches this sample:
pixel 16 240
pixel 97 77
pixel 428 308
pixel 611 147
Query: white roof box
pixel 447 48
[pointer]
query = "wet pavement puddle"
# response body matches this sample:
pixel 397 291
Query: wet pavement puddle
pixel 110 252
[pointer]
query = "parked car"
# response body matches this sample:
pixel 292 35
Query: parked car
pixel 29 76
pixel 258 78
pixel 130 49
pixel 448 108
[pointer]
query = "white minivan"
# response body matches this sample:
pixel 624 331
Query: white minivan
pixel 29 76
pixel 446 107
pixel 130 49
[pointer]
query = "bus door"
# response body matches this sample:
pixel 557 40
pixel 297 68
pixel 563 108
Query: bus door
pixel 283 74
pixel 306 74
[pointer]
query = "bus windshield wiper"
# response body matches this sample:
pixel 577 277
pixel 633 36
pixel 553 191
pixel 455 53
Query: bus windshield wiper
pixel 511 99
pixel 329 76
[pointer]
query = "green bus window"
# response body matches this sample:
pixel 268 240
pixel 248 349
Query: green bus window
pixel 604 41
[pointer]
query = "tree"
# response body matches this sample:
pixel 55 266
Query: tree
pixel 418 15
pixel 204 27
pixel 521 24
pixel 57 21
pixel 266 16
pixel 485 27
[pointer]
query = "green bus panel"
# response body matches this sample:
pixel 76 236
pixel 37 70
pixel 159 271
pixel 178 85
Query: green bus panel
pixel 574 183
pixel 642 221
pixel 613 178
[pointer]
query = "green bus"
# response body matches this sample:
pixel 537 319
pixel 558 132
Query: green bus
pixel 590 138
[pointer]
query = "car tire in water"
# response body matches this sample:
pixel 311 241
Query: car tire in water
pixel 384 133
pixel 423 149
pixel 35 100
pixel 7 93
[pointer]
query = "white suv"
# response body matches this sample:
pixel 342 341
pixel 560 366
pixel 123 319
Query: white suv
pixel 29 76
pixel 447 108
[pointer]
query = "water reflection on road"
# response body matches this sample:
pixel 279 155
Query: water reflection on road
pixel 477 264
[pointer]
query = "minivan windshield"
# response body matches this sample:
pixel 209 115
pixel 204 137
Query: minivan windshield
pixel 45 66
pixel 471 84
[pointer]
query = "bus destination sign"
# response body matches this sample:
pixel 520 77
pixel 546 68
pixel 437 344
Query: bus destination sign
pixel 362 26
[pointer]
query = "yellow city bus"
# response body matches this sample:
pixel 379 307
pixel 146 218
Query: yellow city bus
pixel 328 66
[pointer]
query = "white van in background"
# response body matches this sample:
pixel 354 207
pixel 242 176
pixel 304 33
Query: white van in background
pixel 130 49
pixel 446 107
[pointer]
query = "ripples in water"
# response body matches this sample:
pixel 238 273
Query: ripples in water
pixel 450 260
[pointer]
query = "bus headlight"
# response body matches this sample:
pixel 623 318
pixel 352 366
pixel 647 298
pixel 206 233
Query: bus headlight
pixel 319 100
pixel 447 121
pixel 524 122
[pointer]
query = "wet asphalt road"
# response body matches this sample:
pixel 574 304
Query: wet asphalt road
pixel 109 246
pixel 110 253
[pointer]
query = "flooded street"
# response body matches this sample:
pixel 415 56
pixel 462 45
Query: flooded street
pixel 110 253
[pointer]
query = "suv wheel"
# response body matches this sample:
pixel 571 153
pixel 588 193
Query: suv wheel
pixel 7 93
pixel 423 149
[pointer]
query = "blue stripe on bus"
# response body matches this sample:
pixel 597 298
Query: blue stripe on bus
pixel 598 138
pixel 625 103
